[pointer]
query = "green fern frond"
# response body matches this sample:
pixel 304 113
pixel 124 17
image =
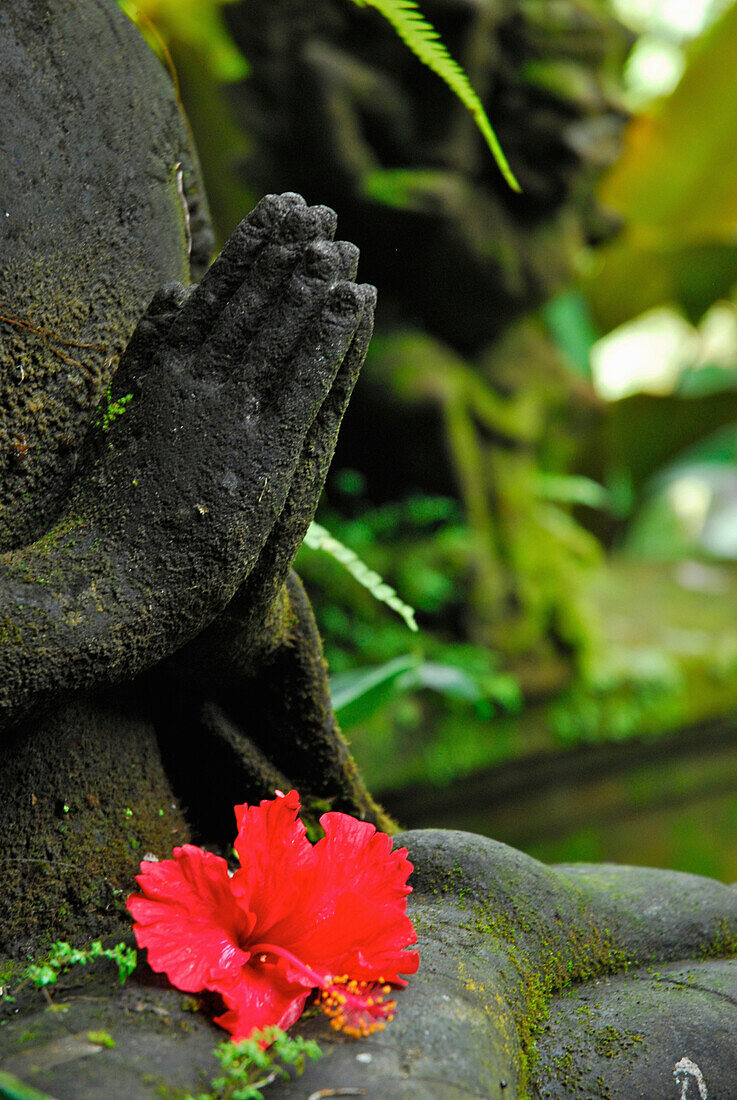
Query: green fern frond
pixel 424 41
pixel 319 538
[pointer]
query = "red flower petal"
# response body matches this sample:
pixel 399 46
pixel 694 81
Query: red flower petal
pixel 375 869
pixel 262 998
pixel 360 938
pixel 189 920
pixel 274 853
pixel 351 915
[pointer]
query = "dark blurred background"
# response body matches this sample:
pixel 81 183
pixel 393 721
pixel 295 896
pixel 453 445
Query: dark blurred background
pixel 541 455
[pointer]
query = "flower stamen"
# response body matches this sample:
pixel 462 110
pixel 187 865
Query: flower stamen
pixel 357 1008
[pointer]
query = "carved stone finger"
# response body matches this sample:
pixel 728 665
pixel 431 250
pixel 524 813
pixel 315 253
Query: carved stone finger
pixel 277 220
pixel 250 338
pixel 314 365
pixel 289 531
pixel 153 328
pixel 234 638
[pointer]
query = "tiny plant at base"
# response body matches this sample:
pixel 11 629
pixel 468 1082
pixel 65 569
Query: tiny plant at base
pixel 62 956
pixel 113 409
pixel 252 1064
pixel 101 1039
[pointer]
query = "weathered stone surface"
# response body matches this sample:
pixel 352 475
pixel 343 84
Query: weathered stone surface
pixel 98 203
pixel 575 981
pixel 623 1037
pixel 156 1041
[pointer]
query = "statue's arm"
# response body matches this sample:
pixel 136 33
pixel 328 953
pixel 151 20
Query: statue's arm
pixel 209 475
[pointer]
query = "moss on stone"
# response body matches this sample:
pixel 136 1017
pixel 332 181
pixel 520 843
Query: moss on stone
pixel 724 942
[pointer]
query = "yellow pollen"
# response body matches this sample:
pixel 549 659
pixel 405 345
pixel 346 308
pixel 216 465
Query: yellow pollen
pixel 358 1009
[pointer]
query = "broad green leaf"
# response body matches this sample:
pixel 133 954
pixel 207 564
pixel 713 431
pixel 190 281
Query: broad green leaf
pixel 361 692
pixel 420 189
pixel 677 178
pixel 198 22
pixel 632 276
pixel 13 1089
pixel 444 679
pixel 633 441
pixel 569 322
pixel 689 504
pixel 676 190
pixel 573 489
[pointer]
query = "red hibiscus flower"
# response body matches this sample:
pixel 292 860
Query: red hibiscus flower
pixel 294 917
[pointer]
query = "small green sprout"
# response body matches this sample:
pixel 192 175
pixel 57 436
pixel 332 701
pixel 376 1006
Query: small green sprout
pixel 101 1039
pixel 62 956
pixel 247 1068
pixel 113 409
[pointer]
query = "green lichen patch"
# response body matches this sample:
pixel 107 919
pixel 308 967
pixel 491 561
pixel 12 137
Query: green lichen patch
pixel 609 1042
pixel 575 956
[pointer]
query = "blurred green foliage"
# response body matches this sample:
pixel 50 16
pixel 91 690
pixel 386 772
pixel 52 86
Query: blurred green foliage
pixel 389 685
pixel 198 24
pixel 569 552
pixel 192 40
pixel 675 190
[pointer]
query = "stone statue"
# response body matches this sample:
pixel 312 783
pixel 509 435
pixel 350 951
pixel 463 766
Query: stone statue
pixel 535 982
pixel 163 447
pixel 158 476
